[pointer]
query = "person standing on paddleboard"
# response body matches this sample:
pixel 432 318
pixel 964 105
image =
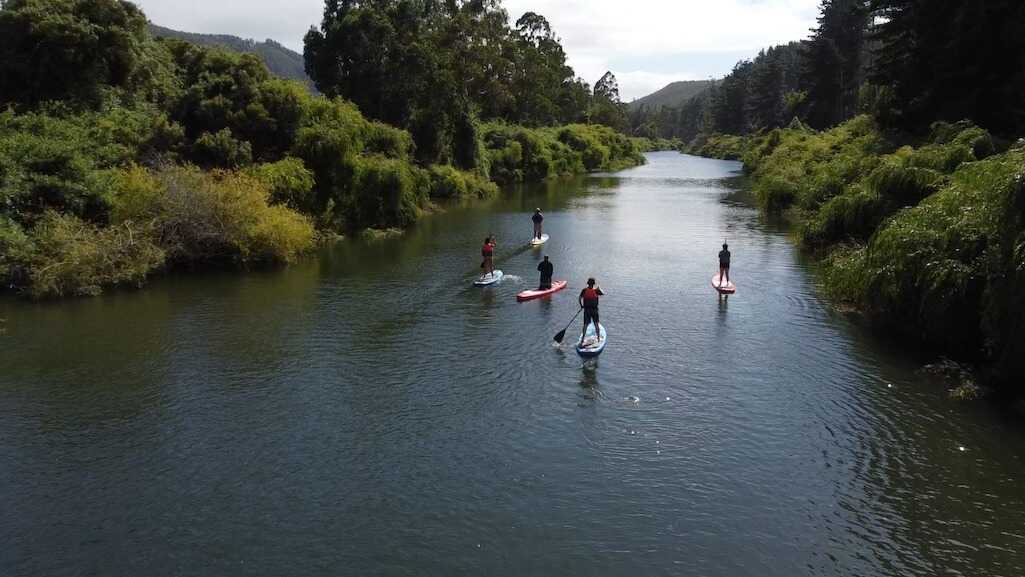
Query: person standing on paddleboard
pixel 547 269
pixel 538 218
pixel 488 252
pixel 724 265
pixel 589 302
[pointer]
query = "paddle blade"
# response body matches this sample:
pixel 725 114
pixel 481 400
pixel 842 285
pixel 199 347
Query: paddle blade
pixel 559 336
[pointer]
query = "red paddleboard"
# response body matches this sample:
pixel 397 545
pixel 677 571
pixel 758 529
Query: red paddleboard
pixel 536 294
pixel 724 289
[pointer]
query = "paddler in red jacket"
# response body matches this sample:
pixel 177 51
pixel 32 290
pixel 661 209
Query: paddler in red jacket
pixel 589 302
pixel 488 252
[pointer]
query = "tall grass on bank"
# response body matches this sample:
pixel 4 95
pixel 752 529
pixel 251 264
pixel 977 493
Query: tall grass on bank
pixel 928 240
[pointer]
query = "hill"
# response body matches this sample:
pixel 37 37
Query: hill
pixel 673 94
pixel 281 61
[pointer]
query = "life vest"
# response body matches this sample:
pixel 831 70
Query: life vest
pixel 487 250
pixel 590 298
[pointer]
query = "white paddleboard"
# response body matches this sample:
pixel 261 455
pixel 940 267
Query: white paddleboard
pixel 539 241
pixel 488 279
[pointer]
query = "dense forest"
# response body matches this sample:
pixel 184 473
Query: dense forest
pixel 122 154
pixel 908 63
pixel 279 60
pixel 901 164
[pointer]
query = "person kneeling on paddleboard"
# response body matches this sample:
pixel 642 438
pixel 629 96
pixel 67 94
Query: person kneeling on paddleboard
pixel 488 252
pixel 538 218
pixel 724 265
pixel 547 269
pixel 589 302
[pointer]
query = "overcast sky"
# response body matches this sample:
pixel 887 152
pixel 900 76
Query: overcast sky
pixel 646 43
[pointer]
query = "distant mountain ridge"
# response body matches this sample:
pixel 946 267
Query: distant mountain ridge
pixel 281 61
pixel 673 94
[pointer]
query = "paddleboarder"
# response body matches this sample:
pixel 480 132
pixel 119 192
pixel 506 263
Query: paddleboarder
pixel 538 218
pixel 589 302
pixel 724 265
pixel 547 269
pixel 488 252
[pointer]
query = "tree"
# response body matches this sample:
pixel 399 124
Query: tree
pixel 607 109
pixel 952 60
pixel 833 71
pixel 68 49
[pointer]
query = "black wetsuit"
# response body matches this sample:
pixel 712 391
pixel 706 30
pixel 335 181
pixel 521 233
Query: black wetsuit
pixel 547 269
pixel 724 259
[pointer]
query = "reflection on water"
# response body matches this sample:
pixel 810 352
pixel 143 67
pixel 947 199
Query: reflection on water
pixel 370 412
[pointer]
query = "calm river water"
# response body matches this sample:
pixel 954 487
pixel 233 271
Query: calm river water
pixel 371 413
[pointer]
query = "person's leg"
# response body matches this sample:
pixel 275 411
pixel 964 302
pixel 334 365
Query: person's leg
pixel 727 275
pixel 587 321
pixel 597 326
pixel 720 275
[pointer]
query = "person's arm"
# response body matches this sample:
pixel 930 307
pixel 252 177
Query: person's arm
pixel 598 288
pixel 580 299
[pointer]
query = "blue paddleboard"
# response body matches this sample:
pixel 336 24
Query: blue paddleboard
pixel 591 346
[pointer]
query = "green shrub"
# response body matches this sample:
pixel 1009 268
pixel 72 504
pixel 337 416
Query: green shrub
pixel 388 193
pixel 448 182
pixel 517 154
pixel 387 141
pixel 851 216
pixel 809 168
pixel 904 185
pixel 928 268
pixel 844 274
pixel 944 158
pixel 69 256
pixel 289 183
pixel 14 250
pixel 204 217
pixel 775 194
pixel 222 150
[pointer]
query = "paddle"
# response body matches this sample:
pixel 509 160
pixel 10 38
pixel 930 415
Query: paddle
pixel 562 334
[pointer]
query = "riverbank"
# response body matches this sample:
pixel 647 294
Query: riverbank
pixel 924 238
pixel 199 158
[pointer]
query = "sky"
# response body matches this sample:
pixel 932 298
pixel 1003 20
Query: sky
pixel 645 43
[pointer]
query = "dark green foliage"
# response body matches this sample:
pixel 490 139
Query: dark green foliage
pixel 386 193
pixel 927 241
pixel 851 216
pixel 833 59
pixel 432 68
pixel 760 94
pixel 94 192
pixel 952 60
pixel 280 61
pixel 221 150
pixel 449 182
pixel 68 49
pixel 518 154
pixel 289 182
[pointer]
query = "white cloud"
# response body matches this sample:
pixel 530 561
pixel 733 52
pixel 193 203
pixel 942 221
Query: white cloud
pixel 644 42
pixel 636 39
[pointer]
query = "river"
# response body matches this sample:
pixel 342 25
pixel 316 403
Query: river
pixel 369 412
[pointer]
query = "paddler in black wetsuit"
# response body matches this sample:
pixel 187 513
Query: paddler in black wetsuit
pixel 589 302
pixel 538 218
pixel 724 265
pixel 547 269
